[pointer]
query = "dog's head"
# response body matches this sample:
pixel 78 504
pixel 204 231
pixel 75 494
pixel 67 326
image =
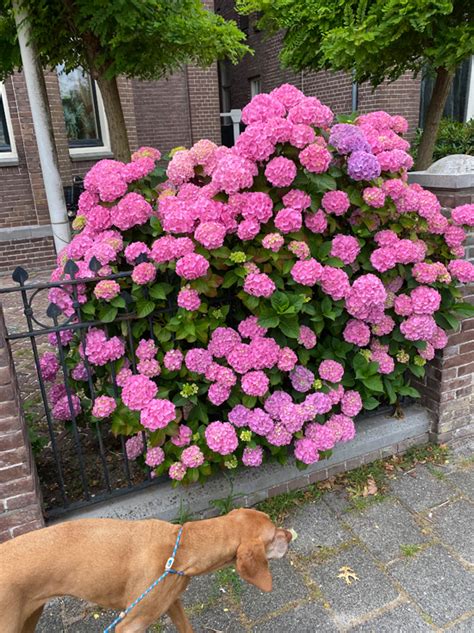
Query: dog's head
pixel 260 541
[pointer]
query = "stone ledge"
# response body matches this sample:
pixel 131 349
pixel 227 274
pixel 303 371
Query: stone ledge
pixel 377 436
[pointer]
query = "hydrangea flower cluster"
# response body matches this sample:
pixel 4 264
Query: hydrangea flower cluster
pixel 276 289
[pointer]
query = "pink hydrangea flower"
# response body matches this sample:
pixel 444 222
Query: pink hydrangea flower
pixel 233 173
pixel 440 339
pixel 262 107
pixel 316 222
pixel 280 171
pixel 403 305
pixel 418 328
pixel 463 215
pixel 252 457
pixel 279 436
pixel 177 471
pixel 255 383
pixel 273 241
pixel 154 457
pixel 351 403
pixel 366 298
pixel 357 332
pixel 316 404
pixel 462 270
pixel 264 353
pixel 297 199
pixel 336 202
pixel 218 393
pixel 184 436
pixel 345 247
pixel 425 300
pixel 106 289
pixel 157 414
pixel 138 391
pixel 149 367
pixel 342 426
pixel 132 210
pixel 188 299
pixel 134 446
pixel 383 259
pixel 192 266
pixel 144 273
pixel 374 197
pixel 316 158
pixel 248 229
pixel 146 349
pixel 323 437
pixel 240 415
pixel 307 272
pixel 192 457
pixel 288 220
pixel 259 285
pixel 287 359
pixel 103 406
pixel 210 234
pixel 275 403
pixel 223 340
pixel 306 451
pixel 249 328
pixel 300 249
pixel 49 366
pixel 173 360
pixel 221 437
pixel 335 283
pixel 331 371
pixel 260 422
pixel 198 360
pixel 306 337
pixel 301 379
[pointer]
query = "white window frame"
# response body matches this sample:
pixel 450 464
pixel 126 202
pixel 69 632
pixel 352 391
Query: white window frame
pixel 470 93
pixel 11 157
pixel 97 151
pixel 255 86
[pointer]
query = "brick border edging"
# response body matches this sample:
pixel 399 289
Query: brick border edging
pixel 20 496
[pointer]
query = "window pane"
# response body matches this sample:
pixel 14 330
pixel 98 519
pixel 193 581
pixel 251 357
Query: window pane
pixel 80 108
pixel 4 137
pixel 456 103
pixel 255 86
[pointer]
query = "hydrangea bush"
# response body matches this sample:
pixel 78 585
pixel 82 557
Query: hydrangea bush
pixel 279 287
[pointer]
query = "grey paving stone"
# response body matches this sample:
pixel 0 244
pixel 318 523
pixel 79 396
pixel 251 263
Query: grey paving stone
pixel 51 619
pixel 437 582
pixel 201 590
pixel 372 591
pixel 420 490
pixel 304 618
pixel 463 479
pixel 402 619
pixel 317 526
pixel 453 523
pixel 338 501
pixel 383 527
pixel 288 586
pixel 466 626
pixel 220 617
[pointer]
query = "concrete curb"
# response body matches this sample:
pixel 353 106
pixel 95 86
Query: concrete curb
pixel 377 436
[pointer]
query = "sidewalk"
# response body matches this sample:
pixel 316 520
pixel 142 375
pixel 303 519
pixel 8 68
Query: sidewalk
pixel 411 548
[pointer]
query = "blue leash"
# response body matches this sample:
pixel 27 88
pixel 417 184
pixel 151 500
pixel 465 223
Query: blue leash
pixel 168 570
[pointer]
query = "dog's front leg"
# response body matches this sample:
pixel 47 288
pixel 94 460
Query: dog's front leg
pixel 179 617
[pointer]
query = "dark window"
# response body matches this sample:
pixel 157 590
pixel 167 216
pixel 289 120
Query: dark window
pixel 243 22
pixel 456 104
pixel 5 145
pixel 81 112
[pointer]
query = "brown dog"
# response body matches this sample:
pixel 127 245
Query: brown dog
pixel 111 562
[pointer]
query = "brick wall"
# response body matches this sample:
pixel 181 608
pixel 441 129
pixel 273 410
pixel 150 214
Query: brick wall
pixel 20 498
pixel 448 387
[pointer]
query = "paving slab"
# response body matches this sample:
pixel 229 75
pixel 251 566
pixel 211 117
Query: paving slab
pixel 439 584
pixel 310 617
pixel 463 479
pixel 466 626
pixel 221 618
pixel 316 526
pixel 401 619
pixel 288 586
pixel 454 524
pixel 420 490
pixel 372 591
pixel 338 502
pixel 384 527
pixel 51 618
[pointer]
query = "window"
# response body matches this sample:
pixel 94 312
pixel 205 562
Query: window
pixel 7 144
pixel 255 86
pixel 459 103
pixel 84 115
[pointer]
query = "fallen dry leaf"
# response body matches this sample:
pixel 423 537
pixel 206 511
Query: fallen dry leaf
pixel 348 575
pixel 370 488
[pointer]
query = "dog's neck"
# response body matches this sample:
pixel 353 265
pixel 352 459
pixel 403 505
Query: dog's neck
pixel 206 546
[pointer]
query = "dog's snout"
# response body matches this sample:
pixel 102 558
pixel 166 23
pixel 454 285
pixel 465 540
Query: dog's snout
pixel 288 536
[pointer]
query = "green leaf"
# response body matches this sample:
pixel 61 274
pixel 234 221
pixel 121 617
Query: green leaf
pixel 370 403
pixel 249 401
pixel 269 322
pixel 118 302
pixel 323 182
pixel 464 309
pixel 107 314
pixel 144 308
pixel 406 390
pixel 88 308
pixel 280 302
pixel 160 291
pixel 290 326
pixel 374 383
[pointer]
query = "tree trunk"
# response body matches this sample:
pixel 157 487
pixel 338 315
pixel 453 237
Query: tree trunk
pixel 115 119
pixel 444 79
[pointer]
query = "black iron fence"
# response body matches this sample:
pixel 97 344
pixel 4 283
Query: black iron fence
pixel 80 462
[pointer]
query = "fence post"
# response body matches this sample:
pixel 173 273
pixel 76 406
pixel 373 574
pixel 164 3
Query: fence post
pixel 20 496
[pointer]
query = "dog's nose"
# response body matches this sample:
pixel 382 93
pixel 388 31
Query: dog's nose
pixel 288 536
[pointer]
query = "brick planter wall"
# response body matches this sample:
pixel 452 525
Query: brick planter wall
pixel 20 497
pixel 448 387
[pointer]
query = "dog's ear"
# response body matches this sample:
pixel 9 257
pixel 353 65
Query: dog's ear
pixel 252 564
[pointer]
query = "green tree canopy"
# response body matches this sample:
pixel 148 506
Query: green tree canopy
pixel 145 39
pixel 376 40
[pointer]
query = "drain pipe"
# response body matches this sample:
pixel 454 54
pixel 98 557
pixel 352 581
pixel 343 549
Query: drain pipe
pixel 38 98
pixel 355 95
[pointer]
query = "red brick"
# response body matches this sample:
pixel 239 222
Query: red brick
pixel 37 524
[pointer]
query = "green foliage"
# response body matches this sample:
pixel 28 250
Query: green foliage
pixel 453 138
pixel 376 40
pixel 146 39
